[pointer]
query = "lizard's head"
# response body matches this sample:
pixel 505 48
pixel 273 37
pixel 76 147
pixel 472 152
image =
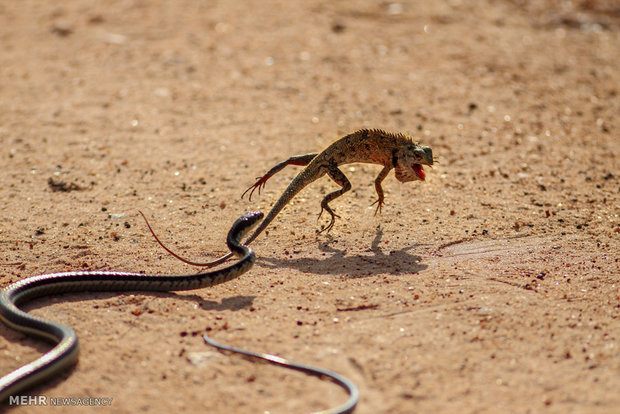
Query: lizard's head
pixel 408 162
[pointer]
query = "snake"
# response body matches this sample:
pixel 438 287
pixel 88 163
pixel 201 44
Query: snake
pixel 346 408
pixel 65 352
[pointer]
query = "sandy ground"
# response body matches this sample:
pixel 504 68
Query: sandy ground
pixel 491 287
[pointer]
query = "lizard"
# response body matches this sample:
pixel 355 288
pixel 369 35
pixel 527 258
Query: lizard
pixel 395 151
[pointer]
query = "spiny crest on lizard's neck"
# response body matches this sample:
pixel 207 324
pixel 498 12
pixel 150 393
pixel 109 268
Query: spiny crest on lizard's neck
pixel 379 131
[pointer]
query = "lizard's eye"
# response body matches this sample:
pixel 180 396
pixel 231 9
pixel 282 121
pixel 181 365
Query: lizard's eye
pixel 424 155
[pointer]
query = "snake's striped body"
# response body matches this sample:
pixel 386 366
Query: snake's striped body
pixel 65 352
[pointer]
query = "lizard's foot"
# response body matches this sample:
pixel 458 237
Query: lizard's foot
pixel 329 227
pixel 260 184
pixel 333 218
pixel 379 204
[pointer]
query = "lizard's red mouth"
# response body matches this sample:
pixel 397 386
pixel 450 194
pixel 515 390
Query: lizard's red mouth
pixel 419 171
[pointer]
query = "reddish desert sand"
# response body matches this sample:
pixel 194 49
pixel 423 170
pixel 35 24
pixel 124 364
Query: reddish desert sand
pixel 491 287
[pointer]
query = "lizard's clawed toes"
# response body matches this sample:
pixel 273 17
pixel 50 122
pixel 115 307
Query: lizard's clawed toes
pixel 379 203
pixel 328 227
pixel 331 222
pixel 260 184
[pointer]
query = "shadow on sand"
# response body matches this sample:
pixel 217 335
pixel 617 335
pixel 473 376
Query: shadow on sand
pixel 396 262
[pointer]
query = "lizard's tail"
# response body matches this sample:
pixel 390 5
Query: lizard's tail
pixel 299 182
pixel 215 262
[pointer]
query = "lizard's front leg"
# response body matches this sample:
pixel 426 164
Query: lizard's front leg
pixel 294 160
pixel 339 177
pixel 384 172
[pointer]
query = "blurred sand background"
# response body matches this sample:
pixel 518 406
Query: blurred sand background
pixel 491 287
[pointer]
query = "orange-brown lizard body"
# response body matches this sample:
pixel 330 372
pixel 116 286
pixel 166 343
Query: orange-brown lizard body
pixel 373 146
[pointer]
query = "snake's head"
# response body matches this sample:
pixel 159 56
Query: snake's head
pixel 250 219
pixel 408 162
pixel 239 229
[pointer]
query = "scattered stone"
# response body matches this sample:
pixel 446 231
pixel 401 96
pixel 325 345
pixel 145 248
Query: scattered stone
pixel 63 186
pixel 62 28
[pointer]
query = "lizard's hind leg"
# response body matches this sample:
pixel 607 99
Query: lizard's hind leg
pixel 341 179
pixel 261 181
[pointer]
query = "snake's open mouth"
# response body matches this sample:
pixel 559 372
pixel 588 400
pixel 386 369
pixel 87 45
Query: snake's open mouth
pixel 419 171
